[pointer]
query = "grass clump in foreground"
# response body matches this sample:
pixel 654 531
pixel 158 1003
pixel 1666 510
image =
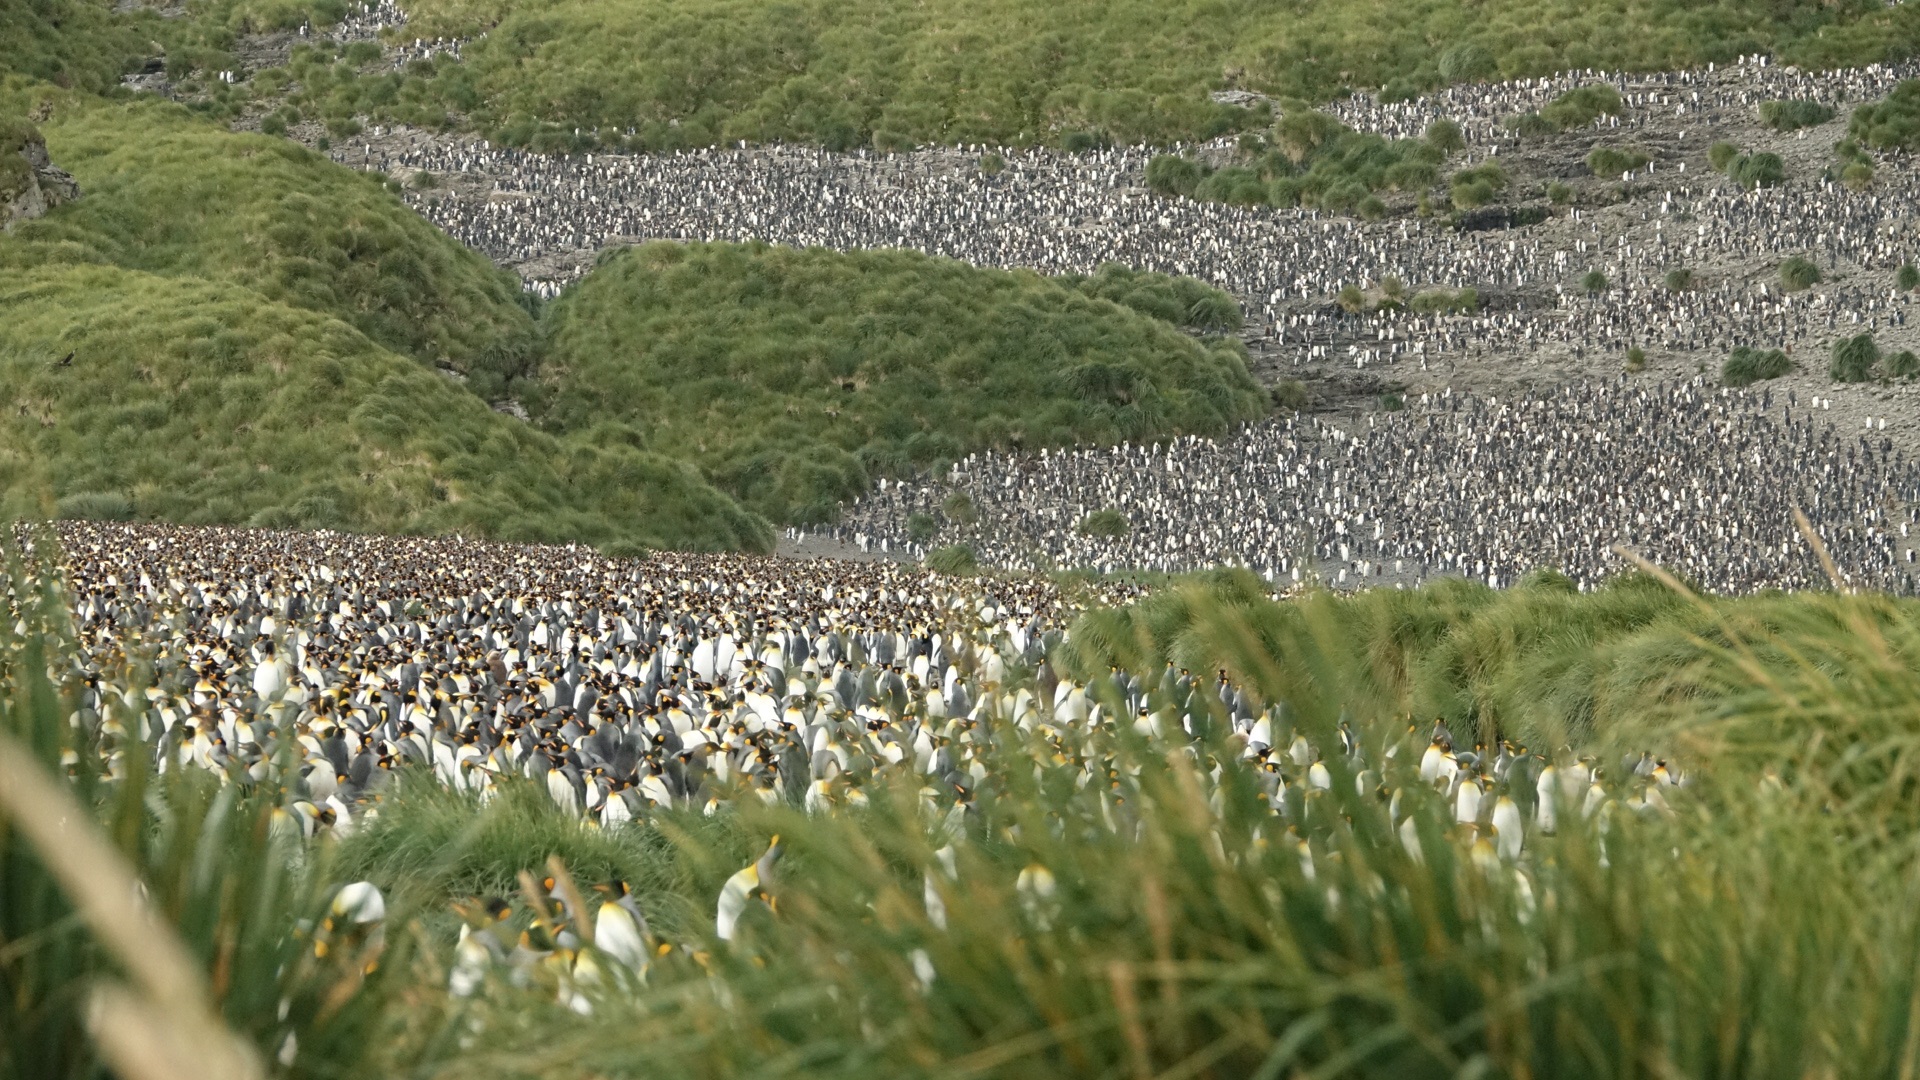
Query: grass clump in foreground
pixel 791 377
pixel 1188 907
pixel 1540 663
pixel 222 869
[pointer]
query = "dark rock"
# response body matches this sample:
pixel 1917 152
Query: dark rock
pixel 1245 99
pixel 1492 218
pixel 1483 219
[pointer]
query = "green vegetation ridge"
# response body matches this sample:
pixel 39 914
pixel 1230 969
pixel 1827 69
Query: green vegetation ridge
pixel 845 73
pixel 219 332
pixel 202 402
pixel 174 195
pixel 793 377
pixel 573 74
pixel 232 329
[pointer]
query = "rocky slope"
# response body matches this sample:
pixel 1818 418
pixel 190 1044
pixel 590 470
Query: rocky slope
pixel 30 184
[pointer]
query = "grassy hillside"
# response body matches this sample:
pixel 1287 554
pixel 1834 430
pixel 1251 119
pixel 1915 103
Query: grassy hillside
pixel 792 377
pixel 197 401
pixel 238 314
pixel 170 194
pixel 887 73
pixel 79 44
pixel 669 73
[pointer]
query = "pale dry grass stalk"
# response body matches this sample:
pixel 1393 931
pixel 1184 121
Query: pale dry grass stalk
pixel 164 1027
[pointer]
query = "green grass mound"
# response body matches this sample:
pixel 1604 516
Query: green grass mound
pixel 137 395
pixel 16 136
pixel 886 73
pixel 1314 161
pixel 1793 114
pixel 1106 522
pixel 957 560
pixel 1893 124
pixel 1477 186
pixel 1799 273
pixel 1854 359
pixel 793 377
pixel 574 74
pixel 1757 170
pixel 1610 161
pixel 1748 365
pixel 173 195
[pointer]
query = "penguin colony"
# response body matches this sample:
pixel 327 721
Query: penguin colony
pixel 619 685
pixel 374 21
pixel 1057 213
pixel 623 687
pixel 1406 499
pixel 1699 479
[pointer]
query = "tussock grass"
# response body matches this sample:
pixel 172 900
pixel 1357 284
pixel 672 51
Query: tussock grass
pixel 1890 124
pixel 1747 365
pixel 1540 663
pixel 80 44
pixel 178 343
pixel 1611 161
pixel 1794 114
pixel 1315 161
pixel 229 891
pixel 219 331
pixel 574 75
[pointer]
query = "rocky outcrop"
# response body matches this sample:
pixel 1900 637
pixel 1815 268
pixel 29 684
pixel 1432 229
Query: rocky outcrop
pixel 30 185
pixel 1245 99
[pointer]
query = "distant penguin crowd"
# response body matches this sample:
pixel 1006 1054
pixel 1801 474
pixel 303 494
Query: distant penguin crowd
pixel 1072 213
pixel 1702 480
